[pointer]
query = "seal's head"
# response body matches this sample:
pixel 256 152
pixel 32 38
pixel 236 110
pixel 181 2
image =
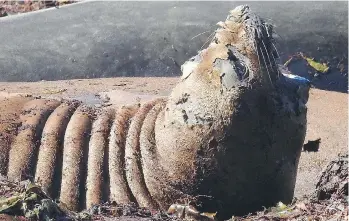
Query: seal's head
pixel 230 131
pixel 242 52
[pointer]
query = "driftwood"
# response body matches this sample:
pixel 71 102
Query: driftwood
pixel 334 179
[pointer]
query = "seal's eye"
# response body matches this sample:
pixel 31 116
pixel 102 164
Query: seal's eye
pixel 231 56
pixel 231 73
pixel 233 70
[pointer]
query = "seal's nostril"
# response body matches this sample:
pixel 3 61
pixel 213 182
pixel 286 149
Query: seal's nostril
pixel 231 56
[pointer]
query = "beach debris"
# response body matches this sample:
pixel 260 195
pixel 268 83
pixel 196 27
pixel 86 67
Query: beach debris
pixel 52 91
pixel 312 145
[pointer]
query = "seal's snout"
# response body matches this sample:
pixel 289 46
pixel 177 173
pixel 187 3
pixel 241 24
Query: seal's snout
pixel 238 12
pixel 253 38
pixel 242 52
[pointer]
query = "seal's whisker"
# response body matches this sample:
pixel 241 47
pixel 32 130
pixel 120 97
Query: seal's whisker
pixel 199 35
pixel 273 56
pixel 275 62
pixel 257 52
pixel 276 50
pixel 266 65
pixel 208 39
pixel 272 21
pixel 265 48
pixel 213 38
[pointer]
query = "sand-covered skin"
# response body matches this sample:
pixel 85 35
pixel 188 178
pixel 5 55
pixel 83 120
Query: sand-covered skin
pixel 51 147
pixel 96 169
pixel 24 147
pixel 133 166
pixel 119 190
pixel 327 113
pixel 75 156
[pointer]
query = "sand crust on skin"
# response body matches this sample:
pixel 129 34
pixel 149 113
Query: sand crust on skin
pixel 327 112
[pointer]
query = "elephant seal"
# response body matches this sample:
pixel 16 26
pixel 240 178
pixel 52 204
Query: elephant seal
pixel 227 139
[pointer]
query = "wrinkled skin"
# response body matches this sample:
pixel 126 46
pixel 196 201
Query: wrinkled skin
pixel 227 139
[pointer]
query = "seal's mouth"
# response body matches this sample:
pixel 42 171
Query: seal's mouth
pixel 242 52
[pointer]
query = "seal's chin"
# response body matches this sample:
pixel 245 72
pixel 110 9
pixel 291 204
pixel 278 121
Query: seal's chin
pixel 242 52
